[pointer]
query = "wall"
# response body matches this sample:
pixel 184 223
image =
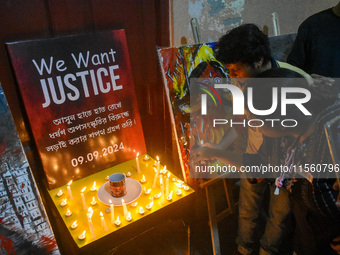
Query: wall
pixel 215 17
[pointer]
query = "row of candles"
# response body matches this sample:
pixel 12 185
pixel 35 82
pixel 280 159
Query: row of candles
pixel 165 192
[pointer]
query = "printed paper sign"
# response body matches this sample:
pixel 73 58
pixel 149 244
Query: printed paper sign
pixel 80 99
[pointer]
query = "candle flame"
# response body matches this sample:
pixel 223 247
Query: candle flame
pixel 164 169
pixel 122 200
pixel 161 180
pixel 155 170
pixel 93 199
pixel 89 212
pixel 157 158
pixel 168 175
pixel 64 200
pixel 129 215
pixel 74 223
pixel 94 184
pixel 137 155
pixel 69 183
pixel 101 214
pixel 82 191
pixel 143 177
pixel 117 219
pixel 83 234
pixel 141 208
pixel 110 201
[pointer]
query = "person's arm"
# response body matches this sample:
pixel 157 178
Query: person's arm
pixel 228 138
pixel 204 153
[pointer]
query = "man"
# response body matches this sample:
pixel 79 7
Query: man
pixel 313 191
pixel 246 53
pixel 316 49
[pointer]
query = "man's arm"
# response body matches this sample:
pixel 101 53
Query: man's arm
pixel 226 141
pixel 204 153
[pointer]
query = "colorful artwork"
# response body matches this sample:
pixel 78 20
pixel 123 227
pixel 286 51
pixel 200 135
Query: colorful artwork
pixel 79 96
pixel 24 227
pixel 183 69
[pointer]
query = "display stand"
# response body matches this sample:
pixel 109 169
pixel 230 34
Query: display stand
pixel 89 127
pixel 143 205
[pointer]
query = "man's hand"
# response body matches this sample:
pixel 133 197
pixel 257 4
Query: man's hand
pixel 335 244
pixel 321 81
pixel 336 187
pixel 202 153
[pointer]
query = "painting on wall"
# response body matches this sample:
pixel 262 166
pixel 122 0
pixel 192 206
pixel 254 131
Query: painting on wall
pixel 186 69
pixel 24 226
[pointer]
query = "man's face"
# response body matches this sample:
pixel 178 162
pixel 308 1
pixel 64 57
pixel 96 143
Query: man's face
pixel 242 70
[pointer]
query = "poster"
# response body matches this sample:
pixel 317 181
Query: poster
pixel 79 96
pixel 24 226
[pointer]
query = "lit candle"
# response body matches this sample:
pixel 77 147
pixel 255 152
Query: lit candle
pixel 103 222
pixel 163 171
pixel 128 174
pixel 60 193
pixel 155 178
pixel 137 162
pixel 112 212
pixel 83 198
pixel 82 236
pixel 147 192
pixel 107 178
pixel 169 197
pixel 141 211
pixel 93 202
pixel 158 164
pixel 69 191
pixel 179 192
pixel 124 208
pixel 146 158
pixel 128 217
pixel 149 206
pixel 162 189
pixel 133 205
pixel 117 222
pixel 74 225
pixel 158 195
pixel 64 202
pixel 186 188
pixel 68 213
pixel 167 184
pixel 93 188
pixel 179 185
pixel 143 180
pixel 89 218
